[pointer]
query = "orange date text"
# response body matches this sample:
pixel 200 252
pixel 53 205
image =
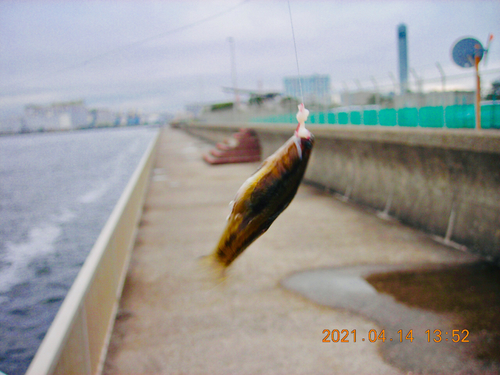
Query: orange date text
pixel 436 335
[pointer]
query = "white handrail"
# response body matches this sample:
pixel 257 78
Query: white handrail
pixel 78 338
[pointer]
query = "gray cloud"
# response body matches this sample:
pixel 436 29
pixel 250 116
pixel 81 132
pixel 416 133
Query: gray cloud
pixel 139 54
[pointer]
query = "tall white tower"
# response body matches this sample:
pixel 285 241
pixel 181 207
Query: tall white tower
pixel 403 58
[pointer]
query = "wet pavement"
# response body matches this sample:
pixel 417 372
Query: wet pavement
pixel 409 338
pixel 300 278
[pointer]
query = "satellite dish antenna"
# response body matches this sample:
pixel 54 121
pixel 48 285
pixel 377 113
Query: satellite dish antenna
pixel 465 51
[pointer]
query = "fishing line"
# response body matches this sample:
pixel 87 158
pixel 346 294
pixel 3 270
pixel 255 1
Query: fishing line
pixel 296 55
pixel 164 34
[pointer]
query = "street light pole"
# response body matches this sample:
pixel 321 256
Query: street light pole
pixel 347 94
pixel 233 73
pixel 443 77
pixel 377 91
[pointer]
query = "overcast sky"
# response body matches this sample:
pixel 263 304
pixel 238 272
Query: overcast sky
pixel 160 55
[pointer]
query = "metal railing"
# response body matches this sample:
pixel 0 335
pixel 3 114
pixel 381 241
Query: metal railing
pixel 77 340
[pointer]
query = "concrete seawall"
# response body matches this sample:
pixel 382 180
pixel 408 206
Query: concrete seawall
pixel 444 182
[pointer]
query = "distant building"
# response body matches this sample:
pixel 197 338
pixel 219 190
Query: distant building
pixel 57 116
pixel 103 117
pixel 133 118
pixel 12 124
pixel 315 88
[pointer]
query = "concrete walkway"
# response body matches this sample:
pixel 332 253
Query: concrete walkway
pixel 175 319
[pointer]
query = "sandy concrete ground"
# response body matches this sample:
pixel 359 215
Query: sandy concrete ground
pixel 175 319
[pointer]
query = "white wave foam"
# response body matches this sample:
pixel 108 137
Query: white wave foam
pixel 117 166
pixel 95 194
pixel 18 256
pixel 65 216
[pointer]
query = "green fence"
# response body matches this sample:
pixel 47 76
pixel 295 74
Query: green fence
pixel 490 116
pixel 454 116
pixel 388 117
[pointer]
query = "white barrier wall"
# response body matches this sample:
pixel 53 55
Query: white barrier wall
pixel 77 340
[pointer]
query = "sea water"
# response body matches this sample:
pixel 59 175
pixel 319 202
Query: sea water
pixel 56 192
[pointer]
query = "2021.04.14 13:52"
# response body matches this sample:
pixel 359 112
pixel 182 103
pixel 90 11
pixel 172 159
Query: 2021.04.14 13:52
pixel 436 335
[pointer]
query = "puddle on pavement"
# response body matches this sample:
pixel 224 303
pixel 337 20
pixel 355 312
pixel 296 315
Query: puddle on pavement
pixel 399 299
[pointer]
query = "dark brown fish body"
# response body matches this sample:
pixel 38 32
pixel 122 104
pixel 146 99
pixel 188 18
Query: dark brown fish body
pixel 261 199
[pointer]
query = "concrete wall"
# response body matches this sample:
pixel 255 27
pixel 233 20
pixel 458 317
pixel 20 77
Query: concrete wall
pixel 444 182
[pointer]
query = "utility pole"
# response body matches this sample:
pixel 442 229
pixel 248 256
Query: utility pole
pixel 377 91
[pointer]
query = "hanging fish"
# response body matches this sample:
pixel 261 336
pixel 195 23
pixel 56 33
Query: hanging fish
pixel 265 194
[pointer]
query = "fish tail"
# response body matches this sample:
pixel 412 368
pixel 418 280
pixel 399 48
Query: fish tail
pixel 212 266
